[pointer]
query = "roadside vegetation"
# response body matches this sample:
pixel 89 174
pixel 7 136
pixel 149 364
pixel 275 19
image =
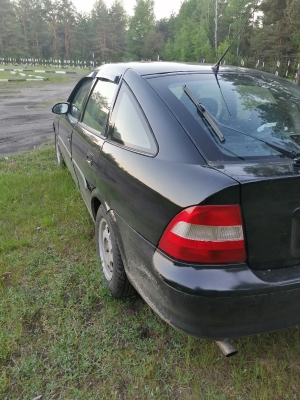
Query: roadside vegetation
pixel 199 32
pixel 63 337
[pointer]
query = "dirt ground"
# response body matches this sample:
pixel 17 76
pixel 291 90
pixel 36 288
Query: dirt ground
pixel 25 113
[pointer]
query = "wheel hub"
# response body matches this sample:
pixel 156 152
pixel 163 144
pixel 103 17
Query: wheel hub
pixel 105 249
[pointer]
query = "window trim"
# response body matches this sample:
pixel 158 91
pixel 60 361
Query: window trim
pixel 103 133
pixel 75 91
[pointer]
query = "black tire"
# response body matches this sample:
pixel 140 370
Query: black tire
pixel 59 158
pixel 112 267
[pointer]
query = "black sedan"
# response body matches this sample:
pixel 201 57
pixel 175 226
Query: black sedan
pixel 192 177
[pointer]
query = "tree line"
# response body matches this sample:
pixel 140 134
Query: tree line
pixel 201 31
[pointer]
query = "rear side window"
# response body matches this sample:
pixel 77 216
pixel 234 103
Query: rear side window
pixel 98 105
pixel 129 126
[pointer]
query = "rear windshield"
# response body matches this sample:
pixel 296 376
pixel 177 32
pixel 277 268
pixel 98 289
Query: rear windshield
pixel 257 115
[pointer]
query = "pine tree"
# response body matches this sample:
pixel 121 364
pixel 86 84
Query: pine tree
pixel 273 37
pixel 140 24
pixel 118 23
pixel 101 32
pixel 9 30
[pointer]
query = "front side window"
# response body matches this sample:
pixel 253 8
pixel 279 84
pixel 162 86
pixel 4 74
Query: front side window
pixel 78 100
pixel 257 114
pixel 129 126
pixel 98 105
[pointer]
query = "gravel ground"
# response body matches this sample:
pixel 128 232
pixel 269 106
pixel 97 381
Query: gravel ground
pixel 25 113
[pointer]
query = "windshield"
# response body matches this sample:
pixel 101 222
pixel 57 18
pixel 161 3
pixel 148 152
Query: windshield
pixel 252 111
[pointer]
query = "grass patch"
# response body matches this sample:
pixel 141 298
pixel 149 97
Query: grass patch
pixel 63 337
pixel 51 78
pixel 8 75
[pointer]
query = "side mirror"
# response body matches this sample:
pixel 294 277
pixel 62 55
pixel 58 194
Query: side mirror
pixel 60 108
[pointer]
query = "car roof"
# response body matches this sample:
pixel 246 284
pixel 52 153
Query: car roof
pixel 144 68
pixel 113 71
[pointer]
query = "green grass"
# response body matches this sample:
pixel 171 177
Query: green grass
pixel 63 337
pixel 49 78
pixel 8 75
pixel 43 68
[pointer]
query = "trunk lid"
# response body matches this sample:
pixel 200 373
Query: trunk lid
pixel 270 201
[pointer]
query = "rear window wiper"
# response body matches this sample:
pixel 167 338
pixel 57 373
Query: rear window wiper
pixel 210 122
pixel 204 114
pixel 285 152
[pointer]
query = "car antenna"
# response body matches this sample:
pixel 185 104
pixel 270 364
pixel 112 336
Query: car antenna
pixel 216 67
pixel 216 76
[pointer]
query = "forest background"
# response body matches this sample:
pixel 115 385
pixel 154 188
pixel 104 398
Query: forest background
pixel 200 32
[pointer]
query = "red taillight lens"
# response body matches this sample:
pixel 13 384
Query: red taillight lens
pixel 206 234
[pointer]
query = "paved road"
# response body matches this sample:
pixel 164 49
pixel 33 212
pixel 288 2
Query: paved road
pixel 25 114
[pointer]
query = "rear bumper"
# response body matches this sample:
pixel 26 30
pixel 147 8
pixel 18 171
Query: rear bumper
pixel 212 302
pixel 218 303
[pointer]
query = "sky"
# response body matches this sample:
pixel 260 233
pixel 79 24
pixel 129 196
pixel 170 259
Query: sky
pixel 162 8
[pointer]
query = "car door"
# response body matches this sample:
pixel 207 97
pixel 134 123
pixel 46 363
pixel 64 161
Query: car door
pixel 88 136
pixel 69 120
pixel 128 156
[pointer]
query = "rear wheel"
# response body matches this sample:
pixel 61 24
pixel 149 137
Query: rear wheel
pixel 108 251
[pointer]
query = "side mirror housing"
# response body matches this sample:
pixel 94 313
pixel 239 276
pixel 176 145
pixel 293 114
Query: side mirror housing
pixel 60 108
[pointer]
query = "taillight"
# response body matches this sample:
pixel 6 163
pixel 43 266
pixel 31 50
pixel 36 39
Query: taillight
pixel 206 234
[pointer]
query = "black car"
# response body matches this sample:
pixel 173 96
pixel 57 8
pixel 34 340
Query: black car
pixel 192 177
